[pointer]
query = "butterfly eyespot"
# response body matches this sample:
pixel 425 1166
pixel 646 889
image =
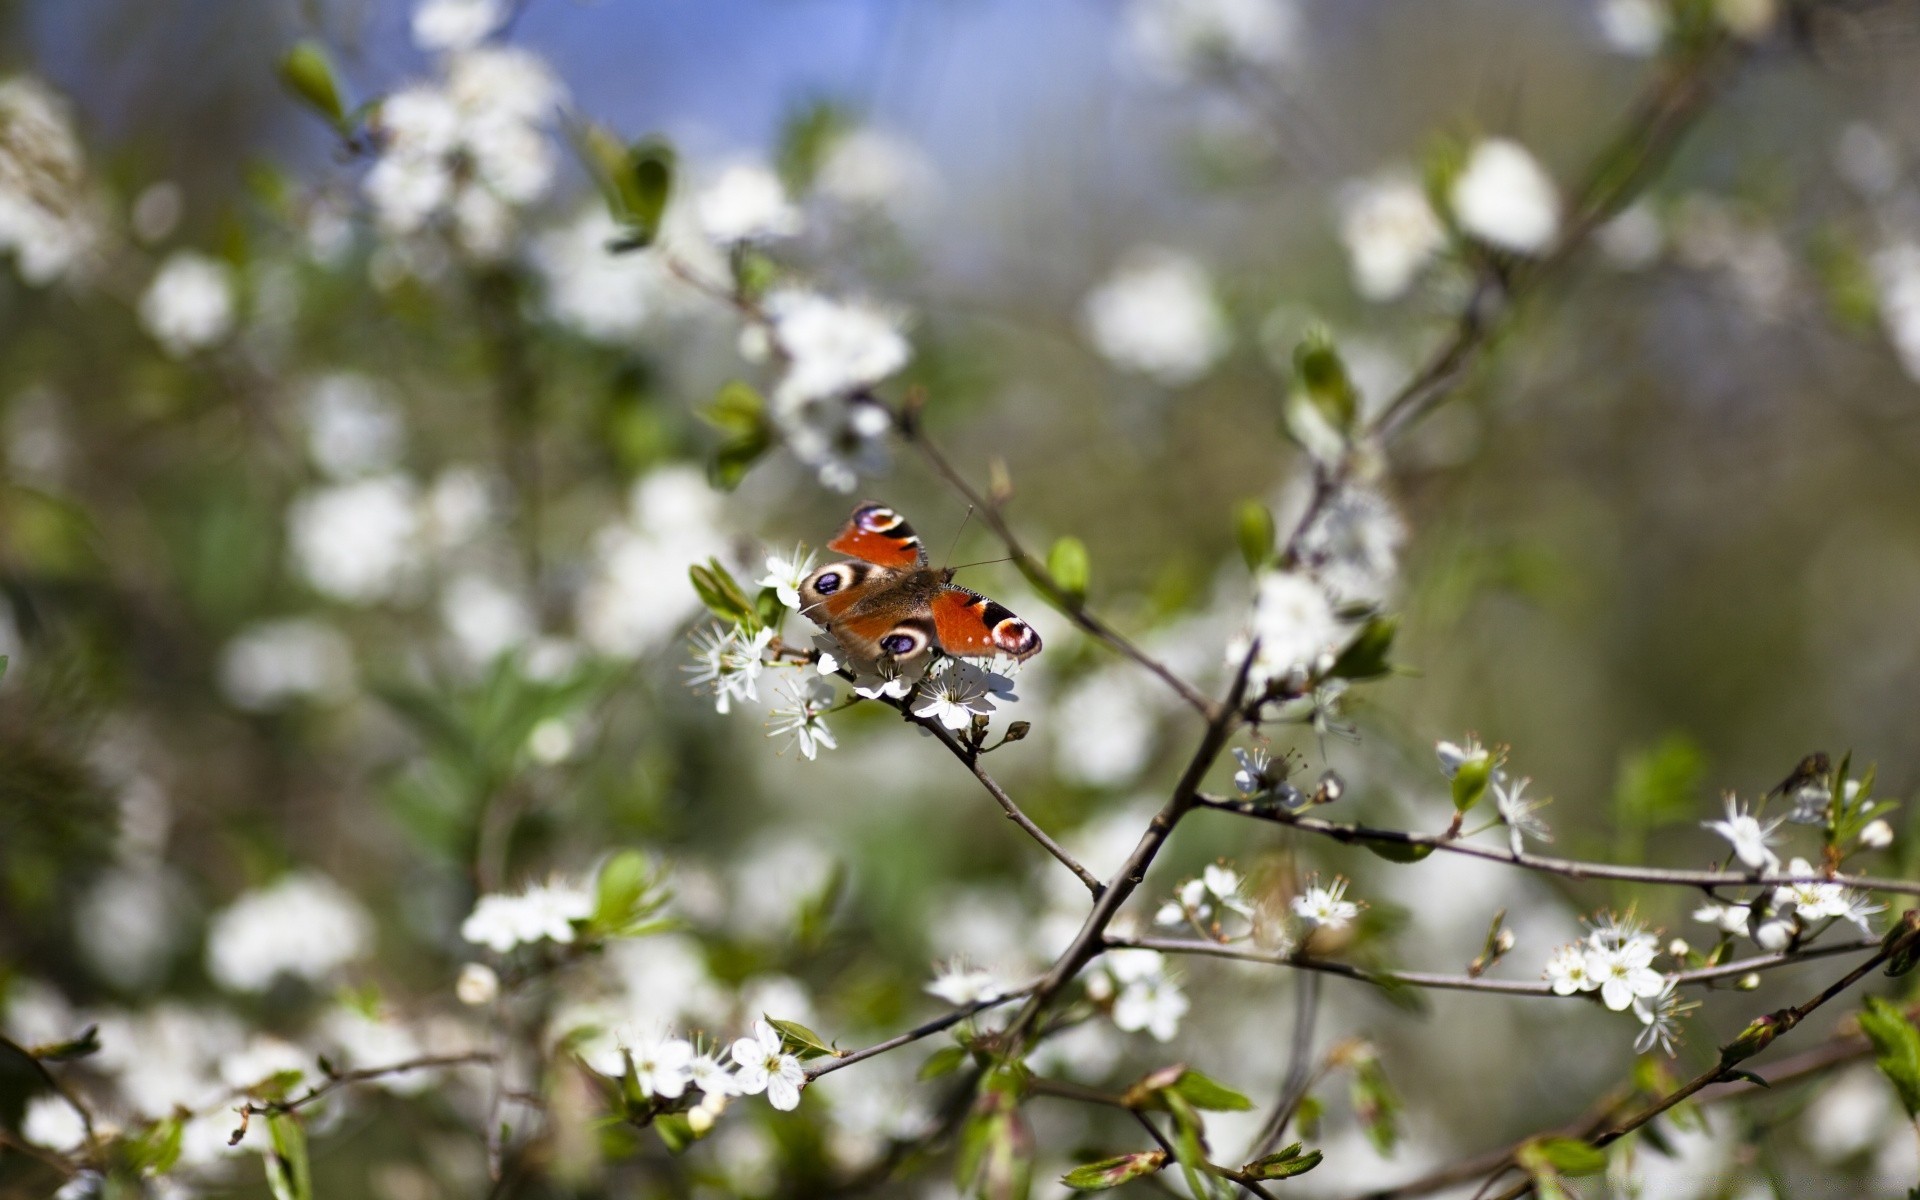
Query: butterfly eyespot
pixel 877 519
pixel 898 644
pixel 827 584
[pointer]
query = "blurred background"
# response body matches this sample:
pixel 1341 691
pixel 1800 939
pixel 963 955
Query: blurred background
pixel 349 549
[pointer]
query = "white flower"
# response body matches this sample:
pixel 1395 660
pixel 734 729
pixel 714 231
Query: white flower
pixel 637 596
pixel 456 24
pixel 477 985
pixel 663 1066
pixel 1729 918
pixel 1188 904
pixel 1296 627
pixel 832 347
pixel 1223 883
pixel 867 680
pixel 963 986
pixel 1625 973
pixel 785 574
pixel 957 691
pixel 53 1123
pixel 1251 778
pixel 1896 277
pixel 1518 813
pixel 485 617
pixel 1148 997
pixel 1326 905
pixel 1180 39
pixel 713 1079
pixel 1773 935
pixel 728 664
pixel 1634 27
pixel 843 438
pixel 1504 198
pixel 1660 1014
pixel 746 203
pixel 1390 232
pixel 1452 757
pixel 1567 970
pixel 356 542
pixel 545 911
pixel 1351 546
pixel 589 288
pixel 352 430
pixel 1877 835
pixel 1747 836
pixel 803 717
pixel 1156 315
pixel 1820 901
pixel 46 217
pixel 764 1067
pixel 304 925
pixel 189 305
pixel 274 663
pixel 1103 728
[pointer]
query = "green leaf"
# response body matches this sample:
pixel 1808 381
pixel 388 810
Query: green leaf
pixel 156 1150
pixel 1321 374
pixel 801 1040
pixel 1470 781
pixel 1112 1172
pixel 1896 1049
pixel 1366 656
pixel 626 897
pixel 722 595
pixel 675 1132
pixel 737 408
pixel 1400 852
pixel 1284 1165
pixel 1376 1103
pixel 1210 1094
pixel 1189 1145
pixel 1566 1156
pixel 307 71
pixel 1070 567
pixel 944 1061
pixel 288 1173
pixel 1253 525
pixel 1306 1118
pixel 636 180
pixel 88 1042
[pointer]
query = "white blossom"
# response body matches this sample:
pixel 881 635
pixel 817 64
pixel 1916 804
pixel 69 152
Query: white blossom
pixel 1182 39
pixel 1156 315
pixel 1351 544
pixel 356 542
pixel 956 691
pixel 1635 27
pixel 1390 232
pixel 663 1066
pixel 270 664
pixel 1625 972
pixel 1659 1015
pixel 1877 835
pixel 746 202
pixel 1103 728
pixel 765 1067
pixel 303 924
pixel 1519 813
pixel 47 221
pixel 1453 756
pixel 1567 970
pixel 1728 918
pixel 712 1077
pixel 1326 905
pixel 456 24
pixel 1295 623
pixel 636 594
pixel 832 346
pixel 190 304
pixel 961 985
pixel 485 617
pixel 785 574
pixel 542 912
pixel 1506 199
pixel 842 438
pixel 591 289
pixel 802 718
pixel 869 168
pixel 476 985
pixel 1148 998
pixel 53 1123
pixel 352 430
pixel 1748 836
pixel 1896 277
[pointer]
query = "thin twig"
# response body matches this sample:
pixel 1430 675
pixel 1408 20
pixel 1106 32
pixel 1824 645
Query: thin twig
pixel 1473 983
pixel 1568 867
pixel 343 1079
pixel 1299 1068
pixel 826 1066
pixel 60 1089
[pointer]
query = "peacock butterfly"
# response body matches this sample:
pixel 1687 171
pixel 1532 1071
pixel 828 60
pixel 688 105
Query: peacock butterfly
pixel 890 611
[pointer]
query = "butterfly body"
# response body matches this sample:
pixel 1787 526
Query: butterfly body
pixel 890 611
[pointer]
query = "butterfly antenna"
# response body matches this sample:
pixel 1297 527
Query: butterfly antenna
pixel 955 544
pixel 982 563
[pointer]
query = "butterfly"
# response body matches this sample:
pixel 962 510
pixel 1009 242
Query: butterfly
pixel 890 611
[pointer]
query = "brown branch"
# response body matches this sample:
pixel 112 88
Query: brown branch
pixel 826 1066
pixel 60 1089
pixel 343 1079
pixel 1567 867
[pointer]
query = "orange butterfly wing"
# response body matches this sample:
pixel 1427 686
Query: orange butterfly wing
pixel 881 536
pixel 969 624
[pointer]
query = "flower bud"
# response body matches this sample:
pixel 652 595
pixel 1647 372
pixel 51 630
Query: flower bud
pixel 1503 942
pixel 1678 948
pixel 1878 835
pixel 700 1121
pixel 1017 730
pixel 477 985
pixel 1773 936
pixel 1750 982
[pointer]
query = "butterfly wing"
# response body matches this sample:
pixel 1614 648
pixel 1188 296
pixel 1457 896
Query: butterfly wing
pixel 881 536
pixel 968 624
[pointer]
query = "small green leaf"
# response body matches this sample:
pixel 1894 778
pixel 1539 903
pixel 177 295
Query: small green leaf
pixel 1896 1049
pixel 1470 781
pixel 636 180
pixel 1376 1103
pixel 1566 1156
pixel 1067 562
pixel 806 137
pixel 1253 525
pixel 1366 656
pixel 801 1040
pixel 1284 1165
pixel 722 595
pixel 737 408
pixel 1320 373
pixel 626 897
pixel 156 1150
pixel 1112 1172
pixel 1205 1093
pixel 88 1042
pixel 944 1061
pixel 307 71
pixel 1400 852
pixel 289 1175
pixel 675 1132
